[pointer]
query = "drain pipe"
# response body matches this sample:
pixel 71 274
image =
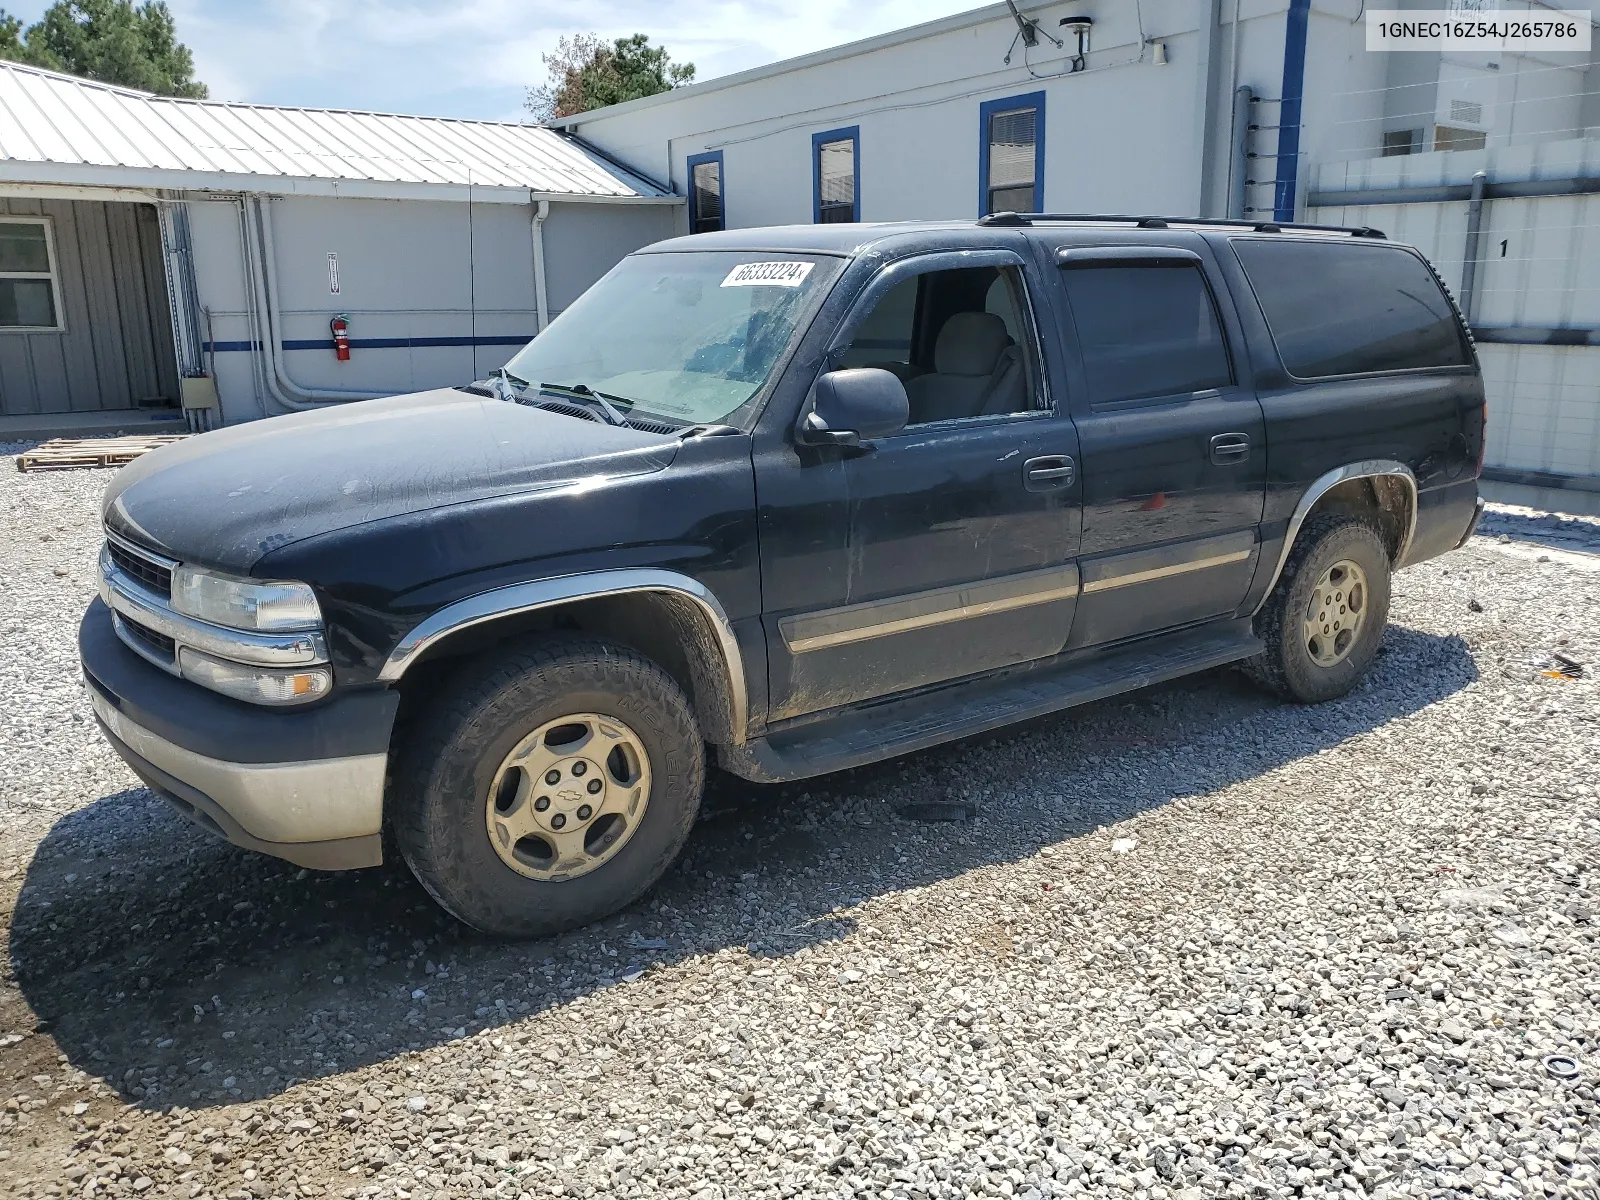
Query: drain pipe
pixel 261 332
pixel 1239 154
pixel 1469 262
pixel 298 397
pixel 252 304
pixel 541 298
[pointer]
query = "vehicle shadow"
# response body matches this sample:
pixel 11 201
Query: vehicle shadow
pixel 184 972
pixel 1558 531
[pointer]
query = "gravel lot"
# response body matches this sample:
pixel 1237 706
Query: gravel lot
pixel 1194 943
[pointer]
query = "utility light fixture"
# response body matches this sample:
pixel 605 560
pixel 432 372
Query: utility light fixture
pixel 1079 26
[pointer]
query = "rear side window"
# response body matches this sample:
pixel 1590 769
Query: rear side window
pixel 1146 329
pixel 1340 309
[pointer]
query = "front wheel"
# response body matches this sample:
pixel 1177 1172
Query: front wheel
pixel 550 786
pixel 1325 619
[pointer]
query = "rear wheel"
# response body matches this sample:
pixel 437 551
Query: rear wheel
pixel 1324 621
pixel 550 786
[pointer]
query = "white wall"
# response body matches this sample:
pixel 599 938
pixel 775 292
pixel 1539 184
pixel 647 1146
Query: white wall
pixel 1539 268
pixel 1119 136
pixel 584 241
pixel 1123 136
pixel 407 270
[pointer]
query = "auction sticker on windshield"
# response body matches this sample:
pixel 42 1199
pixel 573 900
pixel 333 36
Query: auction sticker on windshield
pixel 768 274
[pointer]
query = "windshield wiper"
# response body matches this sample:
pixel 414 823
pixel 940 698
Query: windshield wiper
pixel 599 402
pixel 506 385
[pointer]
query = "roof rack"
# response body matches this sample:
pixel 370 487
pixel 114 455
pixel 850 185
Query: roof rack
pixel 1015 218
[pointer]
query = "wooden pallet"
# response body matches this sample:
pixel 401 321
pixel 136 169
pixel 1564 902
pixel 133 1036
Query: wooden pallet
pixel 65 454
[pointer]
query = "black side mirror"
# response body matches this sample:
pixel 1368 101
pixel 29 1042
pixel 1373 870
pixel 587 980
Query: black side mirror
pixel 852 406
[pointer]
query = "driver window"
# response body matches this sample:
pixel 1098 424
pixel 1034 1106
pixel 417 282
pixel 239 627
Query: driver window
pixel 958 339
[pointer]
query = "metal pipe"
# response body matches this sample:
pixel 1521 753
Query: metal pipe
pixel 1501 189
pixel 1537 335
pixel 303 397
pixel 1239 152
pixel 1469 262
pixel 251 302
pixel 541 298
pixel 261 334
pixel 1209 81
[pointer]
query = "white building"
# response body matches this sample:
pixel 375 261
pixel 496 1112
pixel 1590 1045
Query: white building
pixel 156 250
pixel 1266 109
pixel 189 239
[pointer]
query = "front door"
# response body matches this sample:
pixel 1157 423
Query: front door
pixel 1173 453
pixel 948 549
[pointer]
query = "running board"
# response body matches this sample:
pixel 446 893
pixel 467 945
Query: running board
pixel 871 733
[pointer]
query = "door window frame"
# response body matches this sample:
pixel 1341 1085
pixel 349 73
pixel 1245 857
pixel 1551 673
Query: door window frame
pixel 1239 365
pixel 986 112
pixel 892 274
pixel 852 134
pixel 695 160
pixel 53 275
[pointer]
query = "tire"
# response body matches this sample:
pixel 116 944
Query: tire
pixel 458 751
pixel 1289 667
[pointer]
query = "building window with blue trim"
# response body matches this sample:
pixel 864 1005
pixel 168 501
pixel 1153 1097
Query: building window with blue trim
pixel 705 193
pixel 835 171
pixel 1011 161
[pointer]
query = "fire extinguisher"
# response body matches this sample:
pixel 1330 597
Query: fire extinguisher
pixel 340 327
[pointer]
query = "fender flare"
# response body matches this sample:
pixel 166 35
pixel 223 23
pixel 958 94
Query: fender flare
pixel 1369 469
pixel 519 598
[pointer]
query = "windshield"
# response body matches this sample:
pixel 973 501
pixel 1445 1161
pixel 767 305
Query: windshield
pixel 688 337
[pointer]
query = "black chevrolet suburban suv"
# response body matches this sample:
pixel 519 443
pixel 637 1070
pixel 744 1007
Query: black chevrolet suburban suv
pixel 792 500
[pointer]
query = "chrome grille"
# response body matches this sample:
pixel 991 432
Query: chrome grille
pixel 151 573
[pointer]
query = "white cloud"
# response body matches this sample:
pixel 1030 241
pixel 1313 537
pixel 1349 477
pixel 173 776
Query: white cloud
pixel 473 58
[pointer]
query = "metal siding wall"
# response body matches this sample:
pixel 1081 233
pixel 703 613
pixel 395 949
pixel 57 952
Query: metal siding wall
pixel 117 345
pixel 158 305
pixel 100 290
pixel 220 281
pixel 404 273
pixel 407 269
pixel 584 241
pixel 1544 401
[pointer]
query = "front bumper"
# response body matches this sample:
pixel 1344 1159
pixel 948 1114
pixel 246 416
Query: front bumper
pixel 306 786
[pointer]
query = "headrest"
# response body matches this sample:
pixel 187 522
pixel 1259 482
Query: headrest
pixel 970 344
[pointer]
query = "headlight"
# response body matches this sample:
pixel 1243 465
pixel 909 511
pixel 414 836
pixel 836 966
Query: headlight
pixel 244 603
pixel 255 685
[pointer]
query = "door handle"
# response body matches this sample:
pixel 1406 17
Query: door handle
pixel 1230 449
pixel 1048 473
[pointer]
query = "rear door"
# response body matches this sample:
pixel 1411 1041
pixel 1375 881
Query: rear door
pixel 948 549
pixel 1171 436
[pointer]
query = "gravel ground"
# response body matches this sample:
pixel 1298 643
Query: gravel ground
pixel 1194 943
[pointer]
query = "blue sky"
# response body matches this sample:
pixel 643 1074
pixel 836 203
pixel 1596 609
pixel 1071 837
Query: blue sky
pixel 473 58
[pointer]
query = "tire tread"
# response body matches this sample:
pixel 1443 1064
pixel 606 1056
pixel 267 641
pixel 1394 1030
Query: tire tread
pixel 425 830
pixel 1270 668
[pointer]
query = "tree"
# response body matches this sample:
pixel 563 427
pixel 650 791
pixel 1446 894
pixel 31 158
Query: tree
pixel 114 41
pixel 11 46
pixel 585 72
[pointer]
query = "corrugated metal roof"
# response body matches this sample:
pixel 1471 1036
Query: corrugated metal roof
pixel 78 125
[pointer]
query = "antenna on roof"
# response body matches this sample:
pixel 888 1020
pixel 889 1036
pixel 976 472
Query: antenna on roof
pixel 1028 30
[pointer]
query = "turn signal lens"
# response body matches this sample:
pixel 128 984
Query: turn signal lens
pixel 254 685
